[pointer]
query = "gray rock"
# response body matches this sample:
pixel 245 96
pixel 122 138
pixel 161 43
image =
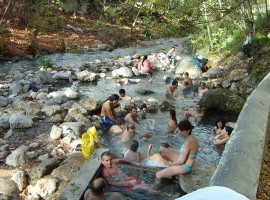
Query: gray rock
pixel 43 188
pixel 3 101
pixel 71 94
pixel 34 145
pixel 166 105
pixel 31 154
pixel 58 118
pixel 89 104
pixel 7 187
pixel 52 110
pixel 3 154
pixel 15 89
pixel 63 75
pixel 4 121
pixel 55 132
pixel 123 72
pixel 187 64
pixel 222 99
pixel 58 97
pixel 43 169
pixel 19 120
pixel 4 147
pixel 8 134
pixel 76 127
pixel 198 178
pixel 20 180
pixel 65 172
pixel 86 76
pixel 18 157
pixel 43 77
pixel 226 83
pixel 104 47
pixel 82 119
pixel 144 91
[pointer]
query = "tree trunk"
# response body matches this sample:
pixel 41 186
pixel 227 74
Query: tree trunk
pixel 103 8
pixel 208 26
pixel 136 19
pixel 266 7
pixel 257 10
pixel 6 12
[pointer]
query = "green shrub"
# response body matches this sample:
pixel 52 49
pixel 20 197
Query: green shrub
pixel 147 33
pixel 4 41
pixel 43 62
pixel 170 30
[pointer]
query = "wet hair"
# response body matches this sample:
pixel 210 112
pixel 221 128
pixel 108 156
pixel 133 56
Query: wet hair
pixel 132 107
pixel 143 106
pixel 229 129
pixel 186 73
pixel 202 83
pixel 105 153
pixel 222 121
pixel 114 97
pixel 130 126
pixel 98 185
pixel 122 91
pixel 186 83
pixel 199 105
pixel 174 82
pixel 144 58
pixel 134 145
pixel 165 145
pixel 173 114
pixel 185 125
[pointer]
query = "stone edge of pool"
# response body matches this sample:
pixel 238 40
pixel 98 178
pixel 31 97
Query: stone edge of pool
pixel 240 164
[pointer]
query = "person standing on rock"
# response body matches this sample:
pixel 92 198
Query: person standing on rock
pixel 145 66
pixel 172 92
pixel 182 160
pixel 108 114
pixel 171 55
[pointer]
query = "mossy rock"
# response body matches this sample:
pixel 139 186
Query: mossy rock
pixel 223 100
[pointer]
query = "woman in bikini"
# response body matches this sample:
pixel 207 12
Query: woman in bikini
pixel 219 126
pixel 182 161
pixel 172 124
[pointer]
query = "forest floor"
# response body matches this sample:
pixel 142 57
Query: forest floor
pixel 18 46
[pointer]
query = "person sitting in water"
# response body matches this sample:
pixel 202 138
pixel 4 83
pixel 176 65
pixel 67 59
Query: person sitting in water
pixel 219 126
pixel 145 66
pixel 197 114
pixel 182 161
pixel 112 174
pixel 202 89
pixel 132 153
pixel 189 80
pixel 124 95
pixel 97 190
pixel 143 111
pixel 133 116
pixel 108 114
pixel 172 92
pixel 124 81
pixel 130 133
pixel 172 124
pixel 157 156
pixel 185 88
pixel 223 137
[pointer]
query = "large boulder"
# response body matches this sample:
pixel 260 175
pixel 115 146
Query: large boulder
pixel 43 77
pixel 222 99
pixel 17 157
pixel 123 72
pixel 19 120
pixel 188 64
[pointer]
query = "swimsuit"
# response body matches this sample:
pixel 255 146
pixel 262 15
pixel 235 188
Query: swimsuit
pixel 189 169
pixel 107 120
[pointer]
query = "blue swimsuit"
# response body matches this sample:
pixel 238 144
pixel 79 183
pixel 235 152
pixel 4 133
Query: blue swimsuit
pixel 189 169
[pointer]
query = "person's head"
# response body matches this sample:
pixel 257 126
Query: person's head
pixel 175 83
pixel 122 92
pixel 185 128
pixel 133 111
pixel 172 114
pixel 106 159
pixel 134 145
pixel 173 48
pixel 186 74
pixel 98 186
pixel 144 108
pixel 114 98
pixel 165 145
pixel 229 129
pixel 145 57
pixel 220 123
pixel 198 107
pixel 131 128
pixel 202 85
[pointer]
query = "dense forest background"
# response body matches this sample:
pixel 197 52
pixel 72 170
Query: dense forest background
pixel 47 26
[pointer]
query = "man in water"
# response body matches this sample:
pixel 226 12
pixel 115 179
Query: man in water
pixel 171 55
pixel 97 190
pixel 108 114
pixel 130 133
pixel 197 114
pixel 172 92
pixel 202 89
pixel 133 116
pixel 112 174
